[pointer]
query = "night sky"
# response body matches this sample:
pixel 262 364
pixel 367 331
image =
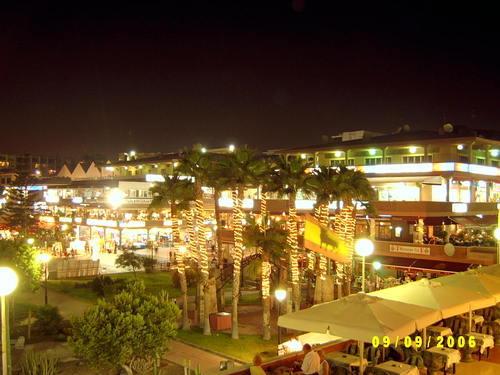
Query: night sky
pixel 80 79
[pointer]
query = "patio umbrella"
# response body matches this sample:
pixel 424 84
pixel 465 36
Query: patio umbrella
pixel 491 270
pixel 484 283
pixel 448 299
pixel 361 317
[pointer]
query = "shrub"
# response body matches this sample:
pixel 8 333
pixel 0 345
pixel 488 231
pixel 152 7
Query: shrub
pixel 133 324
pixel 149 264
pixel 48 320
pixel 35 363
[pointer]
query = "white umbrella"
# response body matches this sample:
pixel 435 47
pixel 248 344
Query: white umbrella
pixel 361 317
pixel 492 270
pixel 484 283
pixel 450 300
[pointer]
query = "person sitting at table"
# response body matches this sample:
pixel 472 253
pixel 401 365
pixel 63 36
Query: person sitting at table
pixel 257 369
pixel 311 362
pixel 324 366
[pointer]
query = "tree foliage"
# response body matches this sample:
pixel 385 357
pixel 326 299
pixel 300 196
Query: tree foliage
pixel 130 260
pixel 16 253
pixel 132 325
pixel 19 210
pixel 175 193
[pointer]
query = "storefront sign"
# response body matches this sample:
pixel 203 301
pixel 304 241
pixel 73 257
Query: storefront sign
pixel 47 219
pixel 138 200
pixel 101 223
pixel 64 219
pixel 132 224
pixel 417 250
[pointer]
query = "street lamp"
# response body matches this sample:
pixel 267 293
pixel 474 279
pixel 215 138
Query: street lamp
pixel 280 295
pixel 116 198
pixel 8 283
pixel 44 258
pixel 364 248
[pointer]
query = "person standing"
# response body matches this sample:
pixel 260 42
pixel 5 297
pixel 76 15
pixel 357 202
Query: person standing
pixel 311 362
pixel 324 366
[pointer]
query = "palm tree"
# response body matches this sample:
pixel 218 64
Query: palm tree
pixel 288 178
pixel 241 168
pixel 350 186
pixel 272 242
pixel 323 184
pixel 217 180
pixel 195 163
pixel 176 194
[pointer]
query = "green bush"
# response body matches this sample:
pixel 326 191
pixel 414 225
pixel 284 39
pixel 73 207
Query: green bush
pixel 48 320
pixel 149 264
pixel 35 363
pixel 132 324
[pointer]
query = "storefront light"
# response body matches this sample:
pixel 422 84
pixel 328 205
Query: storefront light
pixel 460 147
pixel 412 150
pixel 495 153
pixel 372 151
pixel 337 154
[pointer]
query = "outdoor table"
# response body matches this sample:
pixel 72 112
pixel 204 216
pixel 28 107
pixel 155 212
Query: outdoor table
pixel 483 342
pixel 452 355
pixel 397 368
pixel 477 319
pixel 344 360
pixel 439 331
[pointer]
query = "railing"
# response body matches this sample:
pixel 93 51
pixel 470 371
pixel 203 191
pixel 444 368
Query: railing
pixel 460 254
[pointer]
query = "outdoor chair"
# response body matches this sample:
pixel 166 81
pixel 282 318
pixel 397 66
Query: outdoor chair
pixel 417 361
pixel 373 356
pixel 436 363
pixel 352 349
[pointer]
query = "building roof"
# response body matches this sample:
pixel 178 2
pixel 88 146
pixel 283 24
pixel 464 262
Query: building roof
pixel 399 137
pixel 149 160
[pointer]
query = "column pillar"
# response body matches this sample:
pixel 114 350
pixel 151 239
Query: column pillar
pixel 448 183
pixel 472 190
pixel 372 229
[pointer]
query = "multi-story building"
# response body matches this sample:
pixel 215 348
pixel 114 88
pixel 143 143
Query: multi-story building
pixel 433 187
pixel 33 164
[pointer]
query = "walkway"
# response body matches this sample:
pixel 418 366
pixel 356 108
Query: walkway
pixel 68 306
pixel 180 352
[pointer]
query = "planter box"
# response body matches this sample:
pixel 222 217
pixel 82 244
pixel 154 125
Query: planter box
pixel 220 321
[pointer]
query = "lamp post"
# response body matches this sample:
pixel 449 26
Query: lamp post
pixel 8 283
pixel 364 248
pixel 44 258
pixel 280 295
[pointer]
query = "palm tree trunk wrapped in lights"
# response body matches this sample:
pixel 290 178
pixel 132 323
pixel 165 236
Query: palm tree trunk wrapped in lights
pixel 321 263
pixel 203 261
pixel 181 269
pixel 237 255
pixel 345 226
pixel 191 232
pixel 266 296
pixel 294 252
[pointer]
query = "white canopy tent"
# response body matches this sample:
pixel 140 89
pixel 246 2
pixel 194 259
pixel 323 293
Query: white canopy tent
pixel 361 317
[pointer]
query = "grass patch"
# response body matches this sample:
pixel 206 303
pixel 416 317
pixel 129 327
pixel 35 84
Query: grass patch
pixel 243 349
pixel 154 282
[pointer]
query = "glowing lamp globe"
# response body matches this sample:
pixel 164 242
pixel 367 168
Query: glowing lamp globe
pixel 8 281
pixel 280 294
pixel 30 241
pixel 496 233
pixel 231 148
pixel 377 265
pixel 116 197
pixel 364 247
pixel 182 249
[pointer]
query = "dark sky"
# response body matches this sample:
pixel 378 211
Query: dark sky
pixel 155 76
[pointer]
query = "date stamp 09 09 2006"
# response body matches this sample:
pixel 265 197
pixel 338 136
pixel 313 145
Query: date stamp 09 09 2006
pixel 417 342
